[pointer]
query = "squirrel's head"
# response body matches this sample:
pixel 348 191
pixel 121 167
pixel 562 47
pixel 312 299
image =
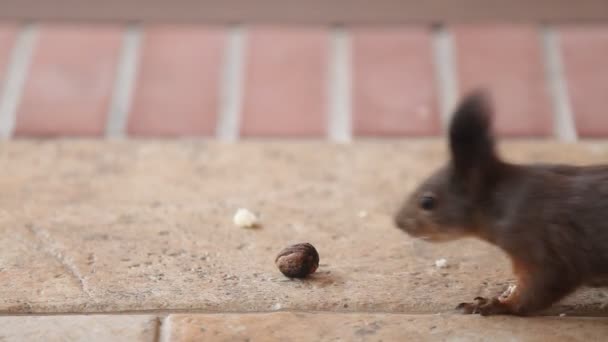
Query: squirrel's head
pixel 446 205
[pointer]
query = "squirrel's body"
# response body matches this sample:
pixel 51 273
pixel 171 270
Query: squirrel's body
pixel 554 214
pixel 551 220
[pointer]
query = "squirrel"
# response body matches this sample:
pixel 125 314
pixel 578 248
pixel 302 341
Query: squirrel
pixel 550 219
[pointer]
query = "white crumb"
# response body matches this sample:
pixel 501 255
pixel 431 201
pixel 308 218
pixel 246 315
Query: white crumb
pixel 441 263
pixel 277 306
pixel 245 219
pixel 562 315
pixel 362 214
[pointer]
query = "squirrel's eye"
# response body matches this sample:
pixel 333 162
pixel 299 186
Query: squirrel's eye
pixel 427 202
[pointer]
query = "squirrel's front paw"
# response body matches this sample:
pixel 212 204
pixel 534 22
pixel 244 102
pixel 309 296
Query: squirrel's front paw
pixel 483 306
pixel 473 307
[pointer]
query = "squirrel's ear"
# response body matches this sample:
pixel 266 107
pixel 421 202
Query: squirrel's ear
pixel 471 137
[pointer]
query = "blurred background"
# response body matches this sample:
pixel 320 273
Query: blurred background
pixel 334 69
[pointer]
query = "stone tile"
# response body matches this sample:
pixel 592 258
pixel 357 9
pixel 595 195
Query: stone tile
pixel 507 60
pixel 97 328
pixel 586 70
pixel 285 82
pixel 177 91
pixel 393 82
pixel 287 326
pixel 89 226
pixel 70 81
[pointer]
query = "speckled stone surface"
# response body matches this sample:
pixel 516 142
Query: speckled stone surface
pixel 286 326
pixel 127 226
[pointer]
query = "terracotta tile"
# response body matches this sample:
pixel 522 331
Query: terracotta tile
pixel 70 81
pixel 586 69
pixel 177 91
pixel 394 92
pixel 8 33
pixel 508 61
pixel 285 82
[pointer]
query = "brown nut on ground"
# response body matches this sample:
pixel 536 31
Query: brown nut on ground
pixel 298 261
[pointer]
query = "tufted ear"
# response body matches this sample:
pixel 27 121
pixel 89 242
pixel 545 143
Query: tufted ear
pixel 471 139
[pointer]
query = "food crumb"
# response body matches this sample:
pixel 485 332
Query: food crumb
pixel 244 218
pixel 562 315
pixel 277 306
pixel 362 214
pixel 441 263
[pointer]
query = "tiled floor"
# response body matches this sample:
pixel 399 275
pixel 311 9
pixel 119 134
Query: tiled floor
pixel 272 81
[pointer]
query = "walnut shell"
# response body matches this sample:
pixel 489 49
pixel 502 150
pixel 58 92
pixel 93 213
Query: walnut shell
pixel 298 261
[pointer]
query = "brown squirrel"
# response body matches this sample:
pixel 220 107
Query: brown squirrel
pixel 551 220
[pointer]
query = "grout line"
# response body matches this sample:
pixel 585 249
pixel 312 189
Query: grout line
pixel 446 76
pixel 163 329
pixel 124 84
pixel 14 83
pixel 564 125
pixel 231 86
pixel 158 323
pixel 339 88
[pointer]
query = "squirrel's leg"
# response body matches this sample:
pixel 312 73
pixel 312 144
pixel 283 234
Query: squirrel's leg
pixel 537 288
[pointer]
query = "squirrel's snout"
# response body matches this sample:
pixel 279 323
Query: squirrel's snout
pixel 398 222
pixel 403 222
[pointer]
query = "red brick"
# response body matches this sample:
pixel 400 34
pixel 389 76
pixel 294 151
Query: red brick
pixel 285 82
pixel 8 34
pixel 178 82
pixel 70 81
pixel 394 92
pixel 585 51
pixel 508 61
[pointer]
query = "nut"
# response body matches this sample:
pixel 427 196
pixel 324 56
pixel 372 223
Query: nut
pixel 298 261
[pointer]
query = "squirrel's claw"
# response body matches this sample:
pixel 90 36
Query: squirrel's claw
pixel 483 307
